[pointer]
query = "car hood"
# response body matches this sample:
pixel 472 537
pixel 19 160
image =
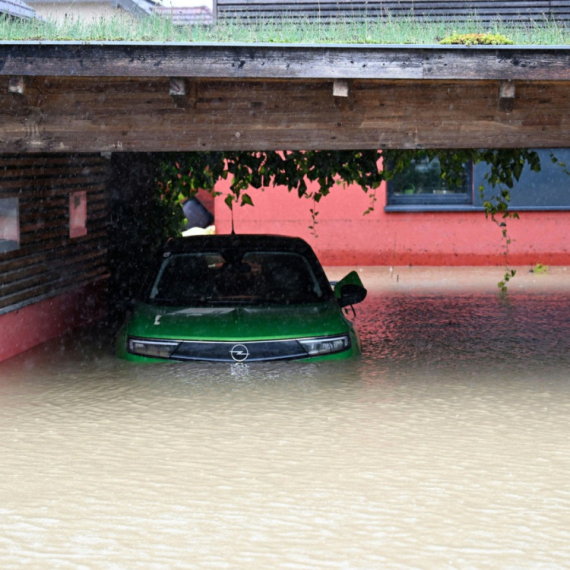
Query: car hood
pixel 237 323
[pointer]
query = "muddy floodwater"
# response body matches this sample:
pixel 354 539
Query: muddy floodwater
pixel 446 445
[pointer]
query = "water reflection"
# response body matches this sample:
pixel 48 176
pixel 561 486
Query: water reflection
pixel 445 445
pixel 468 330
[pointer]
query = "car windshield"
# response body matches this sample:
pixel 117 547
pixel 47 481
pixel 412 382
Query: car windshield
pixel 230 278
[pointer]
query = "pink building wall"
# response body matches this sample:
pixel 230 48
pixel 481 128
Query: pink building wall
pixel 25 328
pixel 346 237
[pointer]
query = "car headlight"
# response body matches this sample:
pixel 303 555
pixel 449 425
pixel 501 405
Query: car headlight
pixel 151 348
pixel 325 345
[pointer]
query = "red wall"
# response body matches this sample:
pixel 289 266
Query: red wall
pixel 25 328
pixel 346 237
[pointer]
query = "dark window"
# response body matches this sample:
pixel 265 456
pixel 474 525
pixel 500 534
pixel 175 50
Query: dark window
pixel 548 189
pixel 421 189
pixel 422 185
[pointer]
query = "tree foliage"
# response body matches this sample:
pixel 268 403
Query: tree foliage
pixel 183 174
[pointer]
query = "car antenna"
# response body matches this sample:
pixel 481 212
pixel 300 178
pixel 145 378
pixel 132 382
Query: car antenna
pixel 233 230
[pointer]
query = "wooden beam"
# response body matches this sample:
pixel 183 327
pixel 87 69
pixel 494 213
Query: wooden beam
pixel 124 114
pixel 340 88
pixel 193 86
pixel 260 61
pixel 184 92
pixel 178 92
pixel 23 89
pixel 343 95
pixel 17 85
pixel 507 92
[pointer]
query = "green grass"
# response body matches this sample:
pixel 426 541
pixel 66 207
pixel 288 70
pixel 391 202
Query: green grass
pixel 385 31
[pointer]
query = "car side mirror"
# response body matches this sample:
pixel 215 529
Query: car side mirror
pixel 351 294
pixel 349 290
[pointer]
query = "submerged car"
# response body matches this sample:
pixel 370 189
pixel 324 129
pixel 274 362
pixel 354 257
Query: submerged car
pixel 241 298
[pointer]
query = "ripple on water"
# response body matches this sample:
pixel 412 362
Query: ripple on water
pixel 445 445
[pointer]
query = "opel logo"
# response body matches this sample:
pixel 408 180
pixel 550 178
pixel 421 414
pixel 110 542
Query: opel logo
pixel 239 352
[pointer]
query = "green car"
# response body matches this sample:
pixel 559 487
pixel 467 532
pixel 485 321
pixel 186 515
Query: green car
pixel 241 298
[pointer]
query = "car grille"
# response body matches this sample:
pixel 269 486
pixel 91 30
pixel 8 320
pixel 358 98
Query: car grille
pixel 239 351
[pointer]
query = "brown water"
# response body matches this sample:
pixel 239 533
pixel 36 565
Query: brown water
pixel 447 445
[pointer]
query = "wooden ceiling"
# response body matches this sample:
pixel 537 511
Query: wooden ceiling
pixel 59 97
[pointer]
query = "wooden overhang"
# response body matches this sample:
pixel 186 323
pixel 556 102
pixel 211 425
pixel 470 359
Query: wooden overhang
pixel 110 96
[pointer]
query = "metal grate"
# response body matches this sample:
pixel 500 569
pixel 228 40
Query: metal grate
pixel 240 352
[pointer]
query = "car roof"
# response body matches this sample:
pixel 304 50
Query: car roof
pixel 256 242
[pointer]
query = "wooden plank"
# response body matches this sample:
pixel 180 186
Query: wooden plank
pixel 50 279
pixel 71 174
pixel 17 85
pixel 34 204
pixel 48 261
pixel 45 187
pixel 340 88
pixel 30 259
pixel 58 240
pixel 264 115
pixel 54 288
pixel 507 92
pixel 258 61
pixel 44 250
pixel 51 274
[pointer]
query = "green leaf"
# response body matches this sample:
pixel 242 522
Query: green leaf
pixel 245 199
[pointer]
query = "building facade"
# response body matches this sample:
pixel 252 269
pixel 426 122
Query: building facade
pixel 66 219
pixel 53 246
pixel 421 222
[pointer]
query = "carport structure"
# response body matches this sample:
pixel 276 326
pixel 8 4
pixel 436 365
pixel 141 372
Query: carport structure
pixel 81 97
pixel 63 104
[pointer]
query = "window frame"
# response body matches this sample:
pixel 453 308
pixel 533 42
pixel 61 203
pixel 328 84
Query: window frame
pixel 523 196
pixel 7 243
pixel 78 214
pixel 440 201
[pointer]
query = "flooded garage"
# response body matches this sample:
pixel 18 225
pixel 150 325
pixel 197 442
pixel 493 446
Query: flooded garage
pixel 444 446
